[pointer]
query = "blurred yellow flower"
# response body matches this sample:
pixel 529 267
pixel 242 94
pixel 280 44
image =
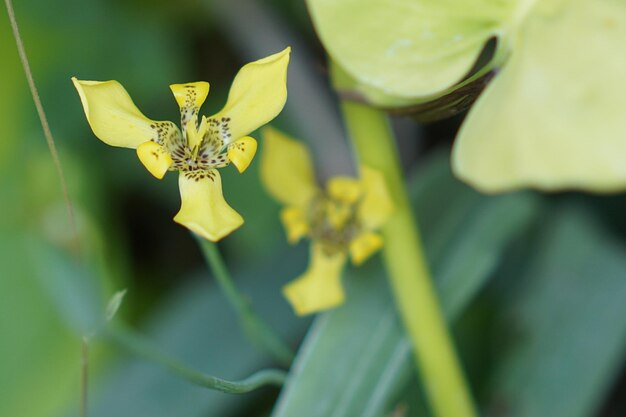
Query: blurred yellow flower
pixel 341 220
pixel 257 95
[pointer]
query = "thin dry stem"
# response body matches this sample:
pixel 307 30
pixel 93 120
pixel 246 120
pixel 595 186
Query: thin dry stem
pixel 42 117
pixel 66 196
pixel 84 376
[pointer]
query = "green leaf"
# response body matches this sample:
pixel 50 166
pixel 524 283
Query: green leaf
pixel 71 286
pixel 37 350
pixel 356 359
pixel 554 118
pixel 564 327
pixel 114 304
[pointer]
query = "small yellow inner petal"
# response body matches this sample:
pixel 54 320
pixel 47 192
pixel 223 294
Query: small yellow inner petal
pixel 364 246
pixel 338 214
pixel 241 152
pixel 319 288
pixel 155 158
pixel 295 222
pixel 195 133
pixel 190 95
pixel 344 189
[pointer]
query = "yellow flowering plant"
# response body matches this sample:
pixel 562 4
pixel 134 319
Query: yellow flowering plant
pixel 341 220
pixel 550 269
pixel 201 146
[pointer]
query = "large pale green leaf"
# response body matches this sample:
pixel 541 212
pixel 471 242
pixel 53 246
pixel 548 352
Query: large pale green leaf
pixel 404 49
pixel 563 337
pixel 554 118
pixel 356 359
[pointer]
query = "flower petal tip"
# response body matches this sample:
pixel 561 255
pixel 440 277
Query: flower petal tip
pixel 319 288
pixel 285 53
pixel 364 246
pixel 190 95
pixel 112 115
pixel 241 152
pixel 295 222
pixel 201 230
pixel 155 158
pixel 287 169
pixel 304 302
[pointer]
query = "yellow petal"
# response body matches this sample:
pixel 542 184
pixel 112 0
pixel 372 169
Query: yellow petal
pixel 319 288
pixel 115 119
pixel 204 210
pixel 286 169
pixel 296 224
pixel 256 96
pixel 241 152
pixel 190 96
pixel 376 206
pixel 344 189
pixel 155 158
pixel 364 246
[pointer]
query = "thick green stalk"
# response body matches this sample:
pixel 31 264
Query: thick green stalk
pixel 257 330
pixel 134 344
pixel 412 286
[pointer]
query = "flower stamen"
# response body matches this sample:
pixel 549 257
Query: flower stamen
pixel 333 223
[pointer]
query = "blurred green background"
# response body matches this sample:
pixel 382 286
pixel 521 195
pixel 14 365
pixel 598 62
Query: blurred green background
pixel 534 284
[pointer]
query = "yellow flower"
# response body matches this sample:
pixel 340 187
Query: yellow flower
pixel 197 150
pixel 341 220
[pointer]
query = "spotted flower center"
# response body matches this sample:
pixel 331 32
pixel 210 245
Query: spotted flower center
pixel 196 160
pixel 333 223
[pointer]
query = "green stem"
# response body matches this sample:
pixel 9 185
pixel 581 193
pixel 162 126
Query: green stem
pixel 257 330
pixel 412 286
pixel 84 376
pixel 134 344
pixel 43 119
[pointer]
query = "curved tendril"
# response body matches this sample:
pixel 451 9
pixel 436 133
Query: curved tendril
pixel 135 344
